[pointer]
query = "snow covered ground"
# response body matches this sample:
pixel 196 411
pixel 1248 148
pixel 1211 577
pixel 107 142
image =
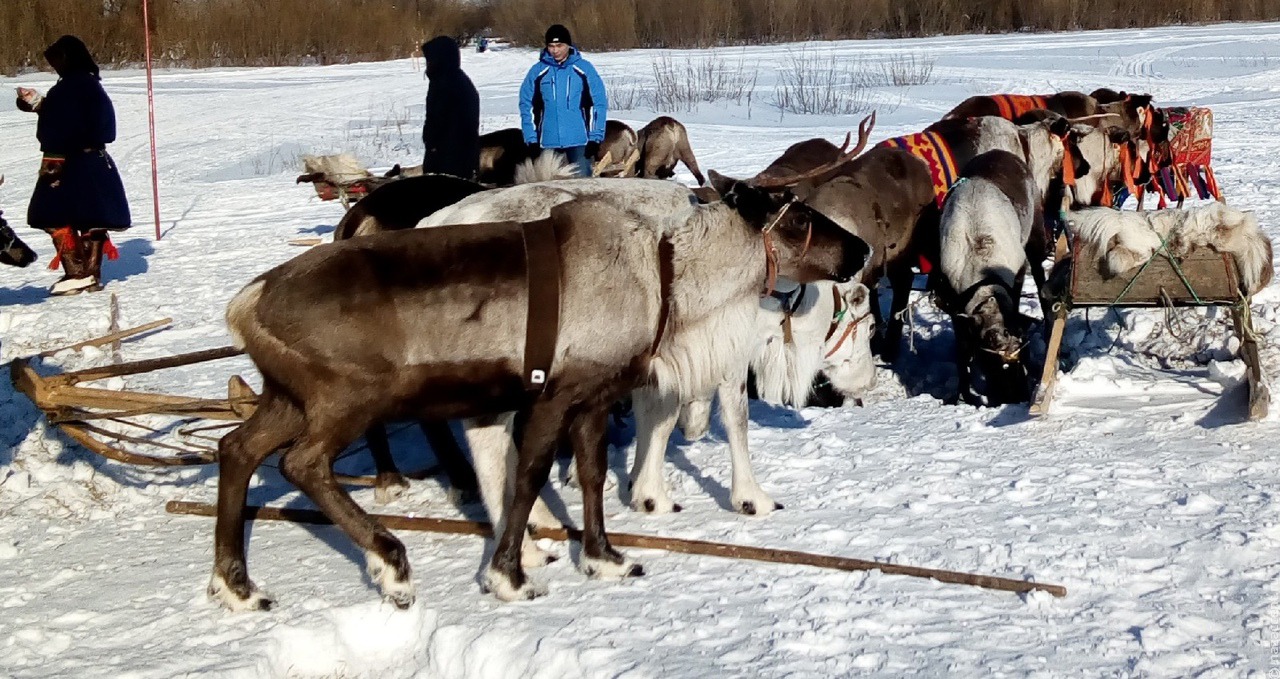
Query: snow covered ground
pixel 1142 493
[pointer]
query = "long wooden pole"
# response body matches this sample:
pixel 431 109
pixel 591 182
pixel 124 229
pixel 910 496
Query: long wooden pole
pixel 135 367
pixel 151 116
pixel 107 339
pixel 461 527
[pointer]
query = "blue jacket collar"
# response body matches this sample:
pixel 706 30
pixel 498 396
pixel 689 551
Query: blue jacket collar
pixel 572 59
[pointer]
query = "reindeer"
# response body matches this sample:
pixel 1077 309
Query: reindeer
pixel 619 153
pixel 654 420
pixel 501 152
pixel 432 323
pixel 989 217
pixel 1131 109
pixel 12 250
pixel 662 143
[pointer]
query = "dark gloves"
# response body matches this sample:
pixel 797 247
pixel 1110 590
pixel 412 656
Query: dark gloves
pixel 532 149
pixel 593 149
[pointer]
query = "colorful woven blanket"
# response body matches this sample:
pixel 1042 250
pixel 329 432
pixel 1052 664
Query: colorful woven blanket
pixel 1190 149
pixel 929 147
pixel 1013 105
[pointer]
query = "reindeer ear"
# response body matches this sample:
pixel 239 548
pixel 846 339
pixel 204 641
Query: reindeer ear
pixel 1140 100
pixel 753 204
pixel 802 191
pixel 720 183
pixel 1060 126
pixel 1118 135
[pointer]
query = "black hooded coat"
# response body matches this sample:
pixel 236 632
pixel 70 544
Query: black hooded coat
pixel 77 121
pixel 451 132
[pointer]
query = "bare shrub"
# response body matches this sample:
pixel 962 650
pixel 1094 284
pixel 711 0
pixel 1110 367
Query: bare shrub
pixel 683 86
pixel 906 70
pixel 812 83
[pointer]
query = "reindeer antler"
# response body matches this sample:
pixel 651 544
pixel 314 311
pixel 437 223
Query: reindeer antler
pixel 864 133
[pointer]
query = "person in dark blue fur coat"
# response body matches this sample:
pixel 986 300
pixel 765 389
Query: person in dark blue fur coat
pixel 79 197
pixel 451 131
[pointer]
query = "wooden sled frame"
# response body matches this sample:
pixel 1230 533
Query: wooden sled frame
pixel 77 411
pixel 1211 279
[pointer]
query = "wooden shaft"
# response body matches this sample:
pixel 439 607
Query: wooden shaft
pixel 108 339
pixel 460 527
pixel 149 365
pixel 84 438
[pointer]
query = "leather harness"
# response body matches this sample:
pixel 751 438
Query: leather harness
pixel 543 273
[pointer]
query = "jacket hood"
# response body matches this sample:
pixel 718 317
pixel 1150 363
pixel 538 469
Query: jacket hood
pixel 69 56
pixel 442 54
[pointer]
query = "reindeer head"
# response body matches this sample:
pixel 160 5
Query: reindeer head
pixel 994 328
pixel 800 242
pixel 12 250
pixel 847 359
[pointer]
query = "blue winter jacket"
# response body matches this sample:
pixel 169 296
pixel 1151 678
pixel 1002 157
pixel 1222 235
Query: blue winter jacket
pixel 563 105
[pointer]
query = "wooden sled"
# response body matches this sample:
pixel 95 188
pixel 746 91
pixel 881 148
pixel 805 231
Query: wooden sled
pixel 80 411
pixel 1207 278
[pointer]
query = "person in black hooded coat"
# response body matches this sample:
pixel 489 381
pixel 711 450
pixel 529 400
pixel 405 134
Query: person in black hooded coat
pixel 451 132
pixel 78 196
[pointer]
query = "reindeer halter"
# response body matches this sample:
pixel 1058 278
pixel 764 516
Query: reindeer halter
pixel 771 250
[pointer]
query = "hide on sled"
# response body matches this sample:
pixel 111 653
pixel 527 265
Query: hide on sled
pixel 1084 277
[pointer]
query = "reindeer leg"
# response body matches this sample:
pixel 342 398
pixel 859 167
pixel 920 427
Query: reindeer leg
pixel 590 448
pixel 656 414
pixel 389 484
pixel 462 478
pixel 504 576
pixel 746 495
pixel 494 452
pixel 900 280
pixel 274 424
pixel 309 466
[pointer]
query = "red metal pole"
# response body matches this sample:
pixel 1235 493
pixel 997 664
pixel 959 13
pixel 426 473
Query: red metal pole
pixel 151 117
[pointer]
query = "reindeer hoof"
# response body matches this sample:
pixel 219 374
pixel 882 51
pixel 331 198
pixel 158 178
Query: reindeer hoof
pixel 658 505
pixel 401 600
pixel 505 589
pixel 384 494
pixel 608 569
pixel 533 556
pixel 397 588
pixel 250 599
pixel 755 504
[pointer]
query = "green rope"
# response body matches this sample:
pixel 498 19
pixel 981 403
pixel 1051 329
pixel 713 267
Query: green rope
pixel 1173 262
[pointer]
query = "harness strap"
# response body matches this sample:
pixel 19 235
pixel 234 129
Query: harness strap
pixel 837 314
pixel 542 324
pixel 666 275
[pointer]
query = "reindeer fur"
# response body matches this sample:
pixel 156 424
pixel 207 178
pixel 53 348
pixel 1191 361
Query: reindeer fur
pixel 1125 240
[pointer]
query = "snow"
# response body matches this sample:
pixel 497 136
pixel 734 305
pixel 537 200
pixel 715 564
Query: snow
pixel 1142 492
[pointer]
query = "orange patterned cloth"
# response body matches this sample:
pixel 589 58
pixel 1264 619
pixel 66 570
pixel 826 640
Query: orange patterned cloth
pixel 1013 105
pixel 929 147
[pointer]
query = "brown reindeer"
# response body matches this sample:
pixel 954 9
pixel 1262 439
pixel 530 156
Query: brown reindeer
pixel 663 143
pixel 887 197
pixel 1129 108
pixel 619 152
pixel 434 322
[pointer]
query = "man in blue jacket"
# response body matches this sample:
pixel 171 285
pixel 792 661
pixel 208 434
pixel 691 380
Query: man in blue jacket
pixel 562 102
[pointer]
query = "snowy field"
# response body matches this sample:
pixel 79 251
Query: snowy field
pixel 1142 493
